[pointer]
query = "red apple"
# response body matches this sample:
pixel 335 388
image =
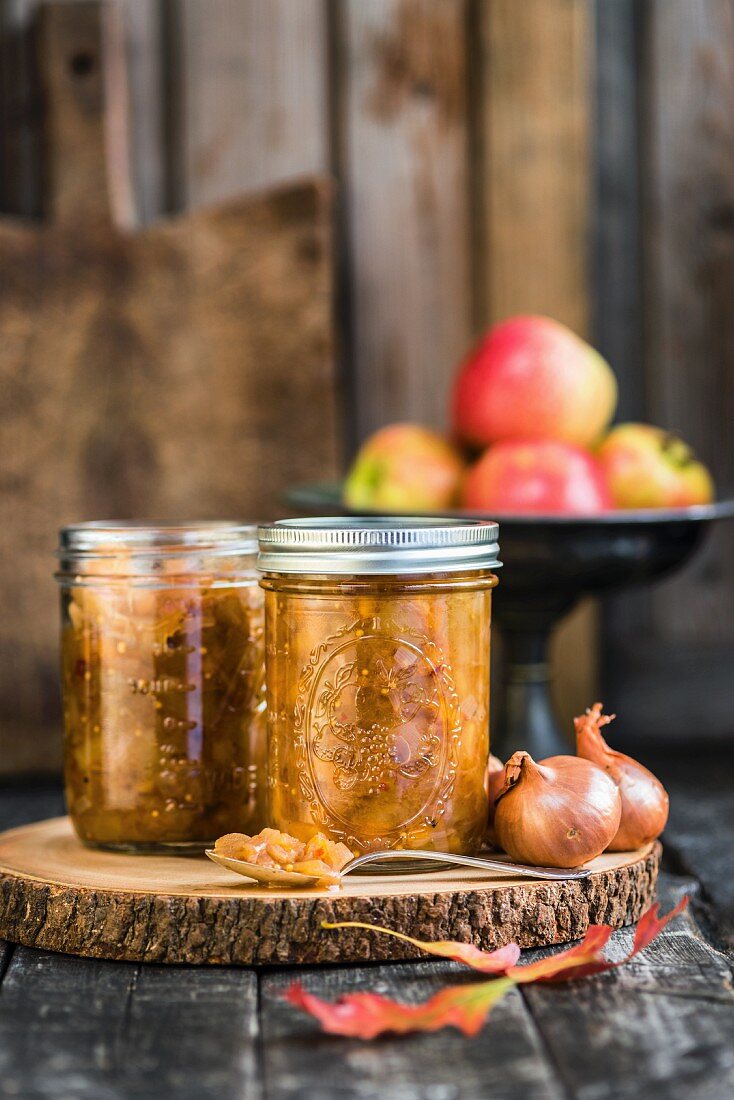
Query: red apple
pixel 536 476
pixel 647 467
pixel 404 468
pixel 532 378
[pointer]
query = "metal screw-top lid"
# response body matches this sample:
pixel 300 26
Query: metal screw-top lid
pixel 394 545
pixel 140 549
pixel 105 536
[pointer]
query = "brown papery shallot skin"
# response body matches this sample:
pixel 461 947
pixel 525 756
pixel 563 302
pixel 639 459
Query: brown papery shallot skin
pixel 494 781
pixel 559 813
pixel 645 801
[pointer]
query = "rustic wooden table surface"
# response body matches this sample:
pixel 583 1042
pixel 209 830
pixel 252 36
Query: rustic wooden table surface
pixel 663 1026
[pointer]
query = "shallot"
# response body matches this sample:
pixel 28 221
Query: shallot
pixel 558 813
pixel 645 802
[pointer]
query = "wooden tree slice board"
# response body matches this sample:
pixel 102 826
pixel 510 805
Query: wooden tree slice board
pixel 59 895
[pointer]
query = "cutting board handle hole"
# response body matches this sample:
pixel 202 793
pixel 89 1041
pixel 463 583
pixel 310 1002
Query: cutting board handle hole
pixel 81 63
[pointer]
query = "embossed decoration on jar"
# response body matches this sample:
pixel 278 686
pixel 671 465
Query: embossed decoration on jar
pixel 163 683
pixel 381 718
pixel 378 679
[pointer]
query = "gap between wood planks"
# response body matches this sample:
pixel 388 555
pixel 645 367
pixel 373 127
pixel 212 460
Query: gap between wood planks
pixel 608 1042
pixel 6 953
pixel 712 924
pixel 125 1022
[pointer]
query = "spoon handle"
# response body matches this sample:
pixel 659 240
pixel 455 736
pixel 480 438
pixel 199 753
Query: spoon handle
pixel 553 874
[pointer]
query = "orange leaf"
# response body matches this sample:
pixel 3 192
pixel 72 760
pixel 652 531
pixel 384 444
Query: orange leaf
pixel 367 1015
pixel 585 958
pixel 488 962
pixel 650 924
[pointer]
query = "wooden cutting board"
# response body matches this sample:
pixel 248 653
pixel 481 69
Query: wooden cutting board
pixel 179 371
pixel 56 894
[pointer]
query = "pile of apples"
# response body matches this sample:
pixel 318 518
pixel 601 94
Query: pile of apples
pixel 531 408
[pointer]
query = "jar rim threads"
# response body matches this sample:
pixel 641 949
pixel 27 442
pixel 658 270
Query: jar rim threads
pixel 141 550
pixel 106 537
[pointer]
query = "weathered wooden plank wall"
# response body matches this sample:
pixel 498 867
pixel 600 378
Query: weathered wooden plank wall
pixel 249 95
pixel 98 432
pixel 533 182
pixel 403 162
pixel 463 135
pixel 689 273
pixel 665 246
pixel 145 36
pixel 229 96
pixel 535 126
pixel 21 106
pixel 617 269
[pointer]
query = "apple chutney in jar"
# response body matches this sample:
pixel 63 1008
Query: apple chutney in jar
pixel 163 683
pixel 377 656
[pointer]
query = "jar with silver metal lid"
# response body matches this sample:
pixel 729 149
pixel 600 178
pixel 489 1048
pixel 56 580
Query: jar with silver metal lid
pixel 377 658
pixel 163 683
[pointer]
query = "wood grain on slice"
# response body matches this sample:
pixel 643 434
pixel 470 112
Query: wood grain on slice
pixel 54 893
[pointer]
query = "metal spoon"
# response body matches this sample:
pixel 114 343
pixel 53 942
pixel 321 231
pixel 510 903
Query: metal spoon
pixel 407 862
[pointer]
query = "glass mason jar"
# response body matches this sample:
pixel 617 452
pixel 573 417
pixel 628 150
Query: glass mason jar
pixel 377 657
pixel 162 669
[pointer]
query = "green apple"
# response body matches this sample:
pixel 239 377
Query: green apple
pixel 647 467
pixel 404 468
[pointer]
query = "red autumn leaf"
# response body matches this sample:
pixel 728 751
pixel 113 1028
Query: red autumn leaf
pixel 569 963
pixel 488 962
pixel 367 1015
pixel 650 924
pixel 585 958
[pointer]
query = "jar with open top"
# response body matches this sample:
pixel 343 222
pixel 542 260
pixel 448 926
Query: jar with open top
pixel 163 683
pixel 377 658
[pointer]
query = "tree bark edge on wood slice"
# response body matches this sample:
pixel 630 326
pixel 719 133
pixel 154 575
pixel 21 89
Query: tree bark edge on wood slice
pixel 277 929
